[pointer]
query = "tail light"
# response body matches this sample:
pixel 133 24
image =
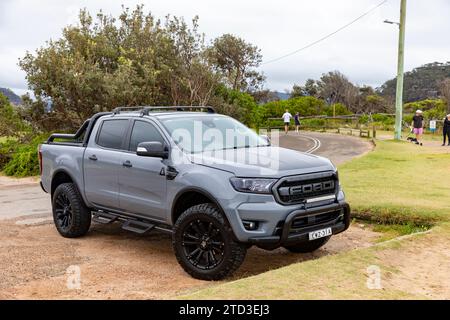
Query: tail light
pixel 40 159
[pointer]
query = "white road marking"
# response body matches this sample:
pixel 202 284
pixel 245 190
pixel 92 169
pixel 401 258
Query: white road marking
pixel 317 144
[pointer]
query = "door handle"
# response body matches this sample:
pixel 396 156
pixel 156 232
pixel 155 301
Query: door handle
pixel 127 164
pixel 93 157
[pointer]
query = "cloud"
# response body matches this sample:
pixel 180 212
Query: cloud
pixel 366 52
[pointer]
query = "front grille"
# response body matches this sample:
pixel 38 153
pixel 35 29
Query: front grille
pixel 292 190
pixel 310 221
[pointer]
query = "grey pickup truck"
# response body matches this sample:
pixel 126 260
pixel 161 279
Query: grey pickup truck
pixel 212 183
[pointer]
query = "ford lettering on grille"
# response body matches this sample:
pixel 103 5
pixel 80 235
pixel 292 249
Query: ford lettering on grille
pixel 310 188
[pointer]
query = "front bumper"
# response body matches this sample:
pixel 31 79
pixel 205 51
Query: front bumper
pixel 287 232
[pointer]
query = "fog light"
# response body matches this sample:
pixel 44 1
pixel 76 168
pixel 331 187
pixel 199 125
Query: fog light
pixel 250 225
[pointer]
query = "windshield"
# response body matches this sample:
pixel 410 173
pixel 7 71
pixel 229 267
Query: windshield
pixel 211 133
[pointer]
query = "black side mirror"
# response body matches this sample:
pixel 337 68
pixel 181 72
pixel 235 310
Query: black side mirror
pixel 153 149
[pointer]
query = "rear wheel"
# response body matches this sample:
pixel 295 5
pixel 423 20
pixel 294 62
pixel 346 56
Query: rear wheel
pixel 204 243
pixel 305 247
pixel 71 216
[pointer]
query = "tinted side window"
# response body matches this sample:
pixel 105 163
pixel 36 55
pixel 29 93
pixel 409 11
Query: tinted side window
pixel 144 132
pixel 112 133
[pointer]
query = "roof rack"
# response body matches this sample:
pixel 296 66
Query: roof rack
pixel 145 111
pixel 119 109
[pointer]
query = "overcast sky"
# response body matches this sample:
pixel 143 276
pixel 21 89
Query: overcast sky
pixel 366 51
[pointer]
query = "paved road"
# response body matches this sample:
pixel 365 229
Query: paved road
pixel 338 148
pixel 24 198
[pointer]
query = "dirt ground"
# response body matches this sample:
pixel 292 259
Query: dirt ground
pixel 423 267
pixel 116 264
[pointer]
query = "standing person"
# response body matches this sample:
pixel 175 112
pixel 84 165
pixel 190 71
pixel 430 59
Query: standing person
pixel 446 129
pixel 418 125
pixel 297 121
pixel 287 121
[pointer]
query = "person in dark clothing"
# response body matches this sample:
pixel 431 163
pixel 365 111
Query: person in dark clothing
pixel 446 129
pixel 297 121
pixel 417 126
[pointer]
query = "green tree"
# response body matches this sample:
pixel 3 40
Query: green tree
pixel 297 91
pixel 337 109
pixel 11 123
pixel 237 60
pixel 136 59
pixel 444 87
pixel 311 88
pixel 334 87
pixel 239 105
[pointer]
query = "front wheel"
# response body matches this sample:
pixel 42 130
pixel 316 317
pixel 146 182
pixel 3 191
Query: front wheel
pixel 204 244
pixel 306 247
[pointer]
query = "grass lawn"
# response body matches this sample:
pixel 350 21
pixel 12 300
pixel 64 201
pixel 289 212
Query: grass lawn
pixel 404 274
pixel 399 182
pixel 428 136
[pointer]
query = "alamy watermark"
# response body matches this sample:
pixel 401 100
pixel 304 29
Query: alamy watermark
pixel 73 280
pixel 373 277
pixel 217 145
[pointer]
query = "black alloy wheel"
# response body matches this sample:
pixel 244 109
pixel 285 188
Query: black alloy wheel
pixel 63 210
pixel 203 244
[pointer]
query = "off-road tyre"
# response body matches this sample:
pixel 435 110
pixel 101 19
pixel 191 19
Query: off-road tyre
pixel 71 216
pixel 205 245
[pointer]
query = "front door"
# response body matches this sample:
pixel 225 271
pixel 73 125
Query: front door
pixel 142 182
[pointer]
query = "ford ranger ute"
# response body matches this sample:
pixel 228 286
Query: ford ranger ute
pixel 142 168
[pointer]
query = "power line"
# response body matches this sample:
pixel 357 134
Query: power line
pixel 327 36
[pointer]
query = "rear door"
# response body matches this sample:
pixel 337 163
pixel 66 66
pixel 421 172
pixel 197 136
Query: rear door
pixel 102 162
pixel 142 181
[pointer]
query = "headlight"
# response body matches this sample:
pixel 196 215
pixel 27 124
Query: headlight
pixel 253 185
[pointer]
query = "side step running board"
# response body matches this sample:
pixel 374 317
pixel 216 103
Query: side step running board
pixel 104 217
pixel 137 226
pixel 130 224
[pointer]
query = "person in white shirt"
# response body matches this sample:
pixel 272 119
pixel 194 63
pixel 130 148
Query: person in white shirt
pixel 287 121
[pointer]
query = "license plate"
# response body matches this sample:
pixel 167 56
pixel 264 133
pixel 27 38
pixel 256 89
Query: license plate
pixel 320 234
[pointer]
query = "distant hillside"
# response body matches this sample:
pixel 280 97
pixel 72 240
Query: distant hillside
pixel 282 95
pixel 421 83
pixel 13 98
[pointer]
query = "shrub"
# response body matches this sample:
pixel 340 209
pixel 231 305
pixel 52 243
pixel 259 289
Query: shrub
pixel 424 105
pixel 339 109
pixel 7 148
pixel 364 119
pixel 314 123
pixel 11 123
pixel 21 159
pixel 437 113
pixel 305 106
pixel 239 105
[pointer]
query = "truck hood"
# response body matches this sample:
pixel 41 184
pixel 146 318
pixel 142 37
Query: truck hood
pixel 268 162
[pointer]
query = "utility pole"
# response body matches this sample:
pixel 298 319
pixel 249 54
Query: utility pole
pixel 401 59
